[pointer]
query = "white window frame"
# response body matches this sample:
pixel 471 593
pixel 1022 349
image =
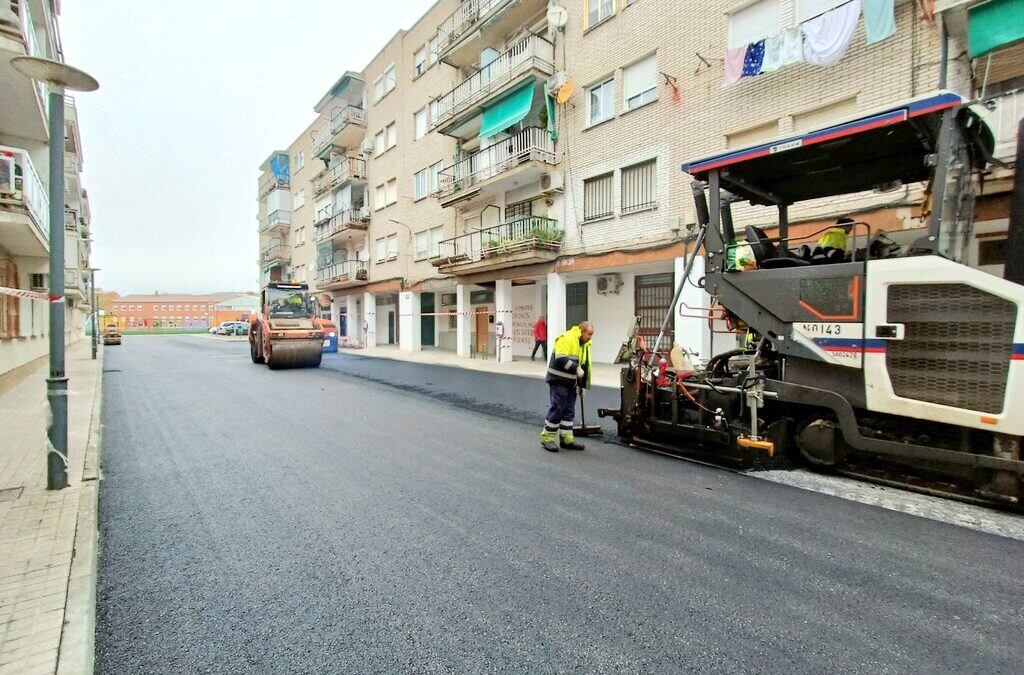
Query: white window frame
pixel 434 177
pixel 419 62
pixel 389 79
pixel 421 245
pixel 381 249
pixel 392 246
pixel 420 123
pixel 378 89
pixel 300 198
pixel 432 49
pixel 420 183
pixel 644 86
pixel 752 21
pixel 391 131
pixel 436 237
pixel 379 197
pixel 607 98
pixel 604 9
pixel 391 190
pixel 379 147
pixel 300 160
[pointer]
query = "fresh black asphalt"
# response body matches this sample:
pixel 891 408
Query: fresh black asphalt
pixel 374 516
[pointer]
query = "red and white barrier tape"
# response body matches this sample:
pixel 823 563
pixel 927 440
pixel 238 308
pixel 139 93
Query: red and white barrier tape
pixel 18 293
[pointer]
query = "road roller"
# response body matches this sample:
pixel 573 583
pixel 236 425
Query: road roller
pixel 286 333
pixel 879 354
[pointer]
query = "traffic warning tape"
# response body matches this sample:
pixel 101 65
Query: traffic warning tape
pixel 30 295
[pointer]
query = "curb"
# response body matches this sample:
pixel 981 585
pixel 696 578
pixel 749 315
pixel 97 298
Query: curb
pixel 77 644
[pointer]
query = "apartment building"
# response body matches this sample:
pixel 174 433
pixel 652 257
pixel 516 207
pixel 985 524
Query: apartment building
pixel 522 160
pixel 170 310
pixel 29 27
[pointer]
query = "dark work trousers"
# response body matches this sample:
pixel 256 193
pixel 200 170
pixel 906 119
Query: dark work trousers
pixel 542 344
pixel 562 410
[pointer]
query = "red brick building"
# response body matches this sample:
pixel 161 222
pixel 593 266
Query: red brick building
pixel 172 310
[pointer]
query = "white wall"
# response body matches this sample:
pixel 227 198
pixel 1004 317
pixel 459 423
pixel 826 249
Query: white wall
pixel 279 199
pixel 525 311
pixel 611 315
pixel 382 322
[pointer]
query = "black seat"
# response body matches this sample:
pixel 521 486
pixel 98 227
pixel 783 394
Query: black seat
pixel 766 253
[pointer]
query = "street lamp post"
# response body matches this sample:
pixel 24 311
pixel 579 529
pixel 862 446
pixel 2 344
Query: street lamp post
pixel 95 310
pixel 59 76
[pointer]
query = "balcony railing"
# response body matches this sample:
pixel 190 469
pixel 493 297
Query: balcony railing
pixel 72 279
pixel 529 144
pixel 348 271
pixel 341 118
pixel 1003 120
pixel 20 184
pixel 272 182
pixel 278 252
pixel 463 19
pixel 346 169
pixel 344 219
pixel 278 217
pixel 533 51
pixel 529 233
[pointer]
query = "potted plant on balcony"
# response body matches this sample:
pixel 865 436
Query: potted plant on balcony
pixel 489 249
pixel 547 236
pixel 361 274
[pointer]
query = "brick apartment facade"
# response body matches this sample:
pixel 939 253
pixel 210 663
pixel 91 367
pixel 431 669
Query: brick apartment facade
pixel 168 310
pixel 463 234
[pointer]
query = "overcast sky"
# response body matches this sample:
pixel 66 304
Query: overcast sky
pixel 194 94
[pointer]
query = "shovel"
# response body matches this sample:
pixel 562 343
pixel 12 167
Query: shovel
pixel 582 429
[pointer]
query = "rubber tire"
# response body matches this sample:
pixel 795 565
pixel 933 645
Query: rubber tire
pixel 254 351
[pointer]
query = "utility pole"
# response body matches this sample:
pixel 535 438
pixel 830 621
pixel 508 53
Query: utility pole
pixel 58 76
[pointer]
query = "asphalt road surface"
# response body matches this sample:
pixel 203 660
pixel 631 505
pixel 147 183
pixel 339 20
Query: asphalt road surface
pixel 375 516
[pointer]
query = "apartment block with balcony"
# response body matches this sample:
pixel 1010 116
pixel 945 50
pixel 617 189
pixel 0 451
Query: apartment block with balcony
pixel 274 217
pixel 77 221
pixel 30 27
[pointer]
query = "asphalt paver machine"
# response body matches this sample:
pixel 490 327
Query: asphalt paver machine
pixel 286 333
pixel 895 362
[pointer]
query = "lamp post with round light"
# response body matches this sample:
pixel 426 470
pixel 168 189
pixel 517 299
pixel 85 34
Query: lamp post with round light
pixel 59 76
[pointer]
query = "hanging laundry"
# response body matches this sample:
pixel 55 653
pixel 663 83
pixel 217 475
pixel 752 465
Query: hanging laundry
pixel 879 20
pixel 753 58
pixel 827 36
pixel 783 49
pixel 734 64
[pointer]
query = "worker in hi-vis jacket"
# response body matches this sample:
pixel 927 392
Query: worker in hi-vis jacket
pixel 568 370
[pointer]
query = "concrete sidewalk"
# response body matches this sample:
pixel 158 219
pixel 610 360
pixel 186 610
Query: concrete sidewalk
pixel 604 375
pixel 48 538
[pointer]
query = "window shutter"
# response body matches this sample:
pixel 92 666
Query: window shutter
pixel 754 22
pixel 640 77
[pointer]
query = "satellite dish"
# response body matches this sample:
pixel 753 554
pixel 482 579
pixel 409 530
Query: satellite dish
pixel 558 16
pixel 565 92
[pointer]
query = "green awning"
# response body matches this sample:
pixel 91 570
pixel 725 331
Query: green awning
pixel 507 110
pixel 994 24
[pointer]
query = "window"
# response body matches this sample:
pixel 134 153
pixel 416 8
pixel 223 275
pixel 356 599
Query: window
pixel 389 78
pixel 391 188
pixel 419 184
pixel 379 197
pixel 179 308
pixel 435 177
pixel 10 306
pixel 378 143
pixel 392 133
pixel 597 197
pixel 601 102
pixel 419 62
pixel 300 160
pixel 300 235
pixel 436 235
pixel 638 186
pixel 518 210
pixel 421 244
pixel 432 49
pixel 378 89
pixel 392 246
pixel 576 309
pixel 992 252
pixel 753 22
pixel 420 123
pixel 434 107
pixel 640 82
pixel 598 11
pixel 300 198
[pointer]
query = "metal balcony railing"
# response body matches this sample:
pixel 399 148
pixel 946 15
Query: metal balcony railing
pixel 20 184
pixel 528 233
pixel 340 119
pixel 279 216
pixel 465 16
pixel 346 169
pixel 350 270
pixel 533 51
pixel 341 220
pixel 532 143
pixel 279 252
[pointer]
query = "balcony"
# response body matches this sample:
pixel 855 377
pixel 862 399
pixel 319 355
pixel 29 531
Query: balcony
pixel 533 56
pixel 24 205
pixel 276 255
pixel 341 222
pixel 74 285
pixel 342 275
pixel 23 101
pixel 348 168
pixel 521 157
pixel 476 23
pixel 523 241
pixel 270 182
pixel 345 130
pixel 1002 114
pixel 279 220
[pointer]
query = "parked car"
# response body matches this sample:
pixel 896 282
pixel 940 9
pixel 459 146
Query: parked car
pixel 226 328
pixel 111 336
pixel 241 328
pixel 212 330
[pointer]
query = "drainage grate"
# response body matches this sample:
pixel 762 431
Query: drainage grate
pixel 10 494
pixel 111 370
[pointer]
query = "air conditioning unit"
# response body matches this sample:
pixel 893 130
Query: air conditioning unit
pixel 555 82
pixel 609 284
pixel 366 146
pixel 551 184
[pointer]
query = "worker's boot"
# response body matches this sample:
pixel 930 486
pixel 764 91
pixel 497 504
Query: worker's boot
pixel 547 441
pixel 567 441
